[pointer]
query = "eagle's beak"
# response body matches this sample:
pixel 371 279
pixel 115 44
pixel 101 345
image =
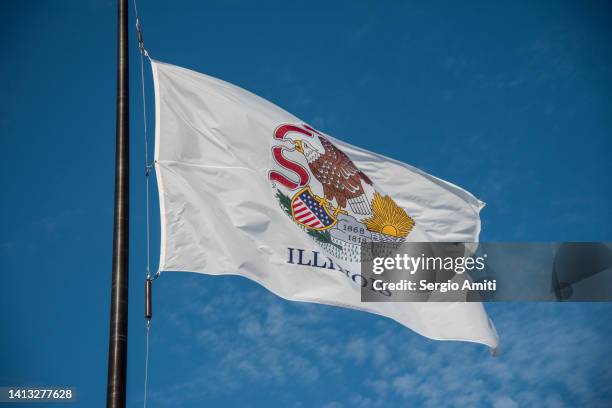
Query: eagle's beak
pixel 299 146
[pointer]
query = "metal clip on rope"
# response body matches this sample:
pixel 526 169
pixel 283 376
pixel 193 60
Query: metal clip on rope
pixel 140 38
pixel 148 300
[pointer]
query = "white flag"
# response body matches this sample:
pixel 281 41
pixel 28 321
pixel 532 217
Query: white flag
pixel 248 189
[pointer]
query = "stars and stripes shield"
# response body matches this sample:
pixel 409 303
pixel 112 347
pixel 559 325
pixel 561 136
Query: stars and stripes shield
pixel 307 211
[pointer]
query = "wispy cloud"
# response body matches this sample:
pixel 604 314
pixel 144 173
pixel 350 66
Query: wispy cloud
pixel 552 354
pixel 52 223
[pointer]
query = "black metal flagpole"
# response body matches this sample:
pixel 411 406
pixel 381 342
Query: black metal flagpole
pixel 117 344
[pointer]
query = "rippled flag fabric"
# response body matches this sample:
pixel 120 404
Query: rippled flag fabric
pixel 236 174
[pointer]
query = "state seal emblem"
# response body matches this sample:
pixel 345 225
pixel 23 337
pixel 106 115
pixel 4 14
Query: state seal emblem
pixel 327 196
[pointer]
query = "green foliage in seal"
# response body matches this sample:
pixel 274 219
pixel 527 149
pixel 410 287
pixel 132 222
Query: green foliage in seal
pixel 323 237
pixel 284 201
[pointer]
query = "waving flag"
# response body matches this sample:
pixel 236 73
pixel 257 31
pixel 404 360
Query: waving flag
pixel 248 189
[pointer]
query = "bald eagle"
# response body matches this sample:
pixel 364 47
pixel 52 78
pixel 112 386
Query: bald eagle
pixel 340 178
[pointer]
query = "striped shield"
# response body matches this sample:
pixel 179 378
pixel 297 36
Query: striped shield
pixel 307 211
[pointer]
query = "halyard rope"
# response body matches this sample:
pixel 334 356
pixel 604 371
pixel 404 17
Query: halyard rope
pixel 148 167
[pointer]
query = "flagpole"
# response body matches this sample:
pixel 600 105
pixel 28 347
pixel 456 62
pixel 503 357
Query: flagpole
pixel 117 347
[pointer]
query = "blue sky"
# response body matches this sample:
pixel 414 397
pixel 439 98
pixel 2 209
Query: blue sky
pixel 508 99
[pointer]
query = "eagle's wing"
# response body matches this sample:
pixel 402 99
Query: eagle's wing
pixel 342 162
pixel 343 178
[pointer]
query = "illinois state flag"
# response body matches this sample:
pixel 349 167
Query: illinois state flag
pixel 246 188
